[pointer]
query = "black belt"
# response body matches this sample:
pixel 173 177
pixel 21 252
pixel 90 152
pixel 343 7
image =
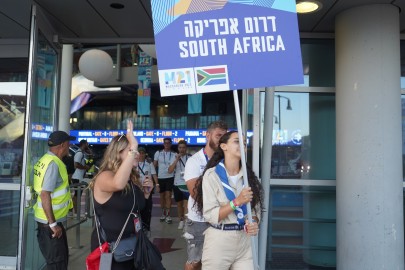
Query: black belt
pixel 228 227
pixel 47 224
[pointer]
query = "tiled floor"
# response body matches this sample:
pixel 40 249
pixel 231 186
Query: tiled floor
pixel 165 236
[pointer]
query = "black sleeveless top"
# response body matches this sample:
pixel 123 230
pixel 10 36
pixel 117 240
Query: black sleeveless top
pixel 113 213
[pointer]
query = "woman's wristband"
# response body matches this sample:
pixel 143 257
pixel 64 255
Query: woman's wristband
pixel 132 152
pixel 53 224
pixel 234 203
pixel 231 203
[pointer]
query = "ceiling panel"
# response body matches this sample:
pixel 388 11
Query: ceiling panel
pixel 11 30
pixel 15 18
pixel 327 23
pixel 130 22
pixel 308 22
pixel 79 17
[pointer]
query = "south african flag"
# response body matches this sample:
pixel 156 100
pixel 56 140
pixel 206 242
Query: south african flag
pixel 211 76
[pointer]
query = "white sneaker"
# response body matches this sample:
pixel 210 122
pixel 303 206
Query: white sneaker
pixel 168 220
pixel 181 225
pixel 162 218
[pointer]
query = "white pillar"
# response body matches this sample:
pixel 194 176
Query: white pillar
pixel 265 237
pixel 65 88
pixel 369 194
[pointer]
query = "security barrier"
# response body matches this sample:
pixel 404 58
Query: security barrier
pixel 83 213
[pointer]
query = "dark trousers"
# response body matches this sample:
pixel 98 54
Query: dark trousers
pixel 146 213
pixel 54 250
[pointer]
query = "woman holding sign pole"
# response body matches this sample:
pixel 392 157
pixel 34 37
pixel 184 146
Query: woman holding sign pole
pixel 221 198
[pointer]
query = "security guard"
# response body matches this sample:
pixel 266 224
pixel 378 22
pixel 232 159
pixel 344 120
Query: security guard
pixel 54 200
pixel 90 162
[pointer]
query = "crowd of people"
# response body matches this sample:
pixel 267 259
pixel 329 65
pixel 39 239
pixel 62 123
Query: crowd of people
pixel 208 188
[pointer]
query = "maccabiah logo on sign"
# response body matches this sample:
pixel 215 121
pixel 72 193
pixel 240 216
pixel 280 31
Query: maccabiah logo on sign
pixel 179 78
pixel 186 81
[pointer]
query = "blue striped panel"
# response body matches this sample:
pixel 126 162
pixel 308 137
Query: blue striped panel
pixel 162 18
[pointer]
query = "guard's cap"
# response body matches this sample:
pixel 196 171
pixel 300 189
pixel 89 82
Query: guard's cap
pixel 58 137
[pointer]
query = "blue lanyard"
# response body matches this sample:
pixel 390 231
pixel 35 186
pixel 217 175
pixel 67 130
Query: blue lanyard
pixel 164 157
pixel 143 165
pixel 181 160
pixel 205 154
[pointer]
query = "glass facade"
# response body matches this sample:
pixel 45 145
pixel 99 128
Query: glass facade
pixel 302 216
pixel 303 229
pixel 9 221
pixel 43 120
pixel 43 103
pixel 303 135
pixel 12 112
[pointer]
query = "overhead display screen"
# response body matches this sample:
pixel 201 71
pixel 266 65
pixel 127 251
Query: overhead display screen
pixel 149 137
pixel 41 131
pixel 156 136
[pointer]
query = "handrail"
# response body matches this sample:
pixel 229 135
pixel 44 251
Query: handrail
pixel 80 188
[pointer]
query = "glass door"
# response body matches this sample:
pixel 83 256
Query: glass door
pixel 12 111
pixel 39 123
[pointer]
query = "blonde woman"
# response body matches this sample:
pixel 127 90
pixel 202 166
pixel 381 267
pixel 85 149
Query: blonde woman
pixel 112 190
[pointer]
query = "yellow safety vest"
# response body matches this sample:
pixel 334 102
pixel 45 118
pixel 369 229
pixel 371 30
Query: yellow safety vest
pixel 61 198
pixel 90 162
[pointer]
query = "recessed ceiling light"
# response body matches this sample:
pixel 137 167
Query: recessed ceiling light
pixel 117 5
pixel 308 6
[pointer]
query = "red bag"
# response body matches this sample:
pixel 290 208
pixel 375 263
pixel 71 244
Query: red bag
pixel 93 259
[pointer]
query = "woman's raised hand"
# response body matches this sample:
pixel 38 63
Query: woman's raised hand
pixel 130 136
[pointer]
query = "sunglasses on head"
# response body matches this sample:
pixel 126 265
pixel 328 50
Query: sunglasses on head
pixel 122 135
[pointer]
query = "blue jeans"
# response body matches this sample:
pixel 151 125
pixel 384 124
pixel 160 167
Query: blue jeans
pixel 194 235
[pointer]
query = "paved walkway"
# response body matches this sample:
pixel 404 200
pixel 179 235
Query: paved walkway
pixel 165 236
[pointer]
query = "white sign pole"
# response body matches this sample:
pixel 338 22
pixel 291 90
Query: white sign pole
pixel 245 179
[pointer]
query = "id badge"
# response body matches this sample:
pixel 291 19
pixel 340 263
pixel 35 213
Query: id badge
pixel 106 261
pixel 137 224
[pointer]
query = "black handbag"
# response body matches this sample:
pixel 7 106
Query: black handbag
pixel 124 249
pixel 147 255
